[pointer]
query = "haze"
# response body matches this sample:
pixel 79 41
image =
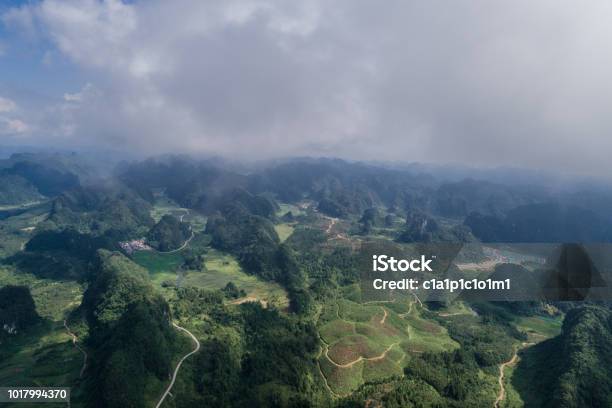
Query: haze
pixel 505 83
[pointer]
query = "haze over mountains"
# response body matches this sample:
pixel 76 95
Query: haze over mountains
pixel 507 211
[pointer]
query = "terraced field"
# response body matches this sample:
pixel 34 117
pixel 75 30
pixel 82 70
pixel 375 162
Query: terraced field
pixel 372 341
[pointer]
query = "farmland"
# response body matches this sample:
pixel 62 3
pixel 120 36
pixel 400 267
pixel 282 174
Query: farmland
pixel 368 342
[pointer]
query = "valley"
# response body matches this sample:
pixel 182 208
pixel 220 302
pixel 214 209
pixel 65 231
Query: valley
pixel 247 295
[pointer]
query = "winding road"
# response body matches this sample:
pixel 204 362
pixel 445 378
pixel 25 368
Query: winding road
pixel 502 389
pixel 352 363
pixel 74 342
pixel 188 239
pixel 178 366
pixel 181 247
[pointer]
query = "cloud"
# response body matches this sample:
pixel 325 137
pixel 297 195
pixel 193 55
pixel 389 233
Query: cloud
pixel 16 126
pixel 514 83
pixel 12 127
pixel 9 124
pixel 7 105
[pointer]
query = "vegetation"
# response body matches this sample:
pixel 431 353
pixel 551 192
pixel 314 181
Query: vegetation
pixel 17 190
pixel 101 210
pixel 129 332
pixel 168 234
pixel 273 291
pixel 253 356
pixel 572 369
pixel 551 221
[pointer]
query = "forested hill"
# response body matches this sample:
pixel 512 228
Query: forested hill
pixel 491 211
pixel 168 234
pixel 129 332
pixel 573 369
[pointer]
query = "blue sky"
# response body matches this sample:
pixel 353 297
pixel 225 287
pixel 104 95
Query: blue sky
pixel 22 70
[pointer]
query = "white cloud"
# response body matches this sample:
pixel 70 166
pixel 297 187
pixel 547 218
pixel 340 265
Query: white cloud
pixel 12 127
pixel 519 83
pixel 7 105
pixel 78 96
pixel 17 126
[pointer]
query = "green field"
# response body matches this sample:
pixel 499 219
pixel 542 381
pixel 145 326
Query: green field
pixel 44 355
pixel 221 268
pixel 156 262
pixel 540 328
pixel 17 230
pixel 162 267
pixel 284 231
pixel 53 299
pixel 285 208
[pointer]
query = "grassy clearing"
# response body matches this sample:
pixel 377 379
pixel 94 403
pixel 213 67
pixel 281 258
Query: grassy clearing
pixel 221 268
pixel 164 206
pixel 18 229
pixel 456 309
pixel 156 262
pixel 284 231
pixel 285 208
pixel 162 268
pixel 540 328
pixel 53 299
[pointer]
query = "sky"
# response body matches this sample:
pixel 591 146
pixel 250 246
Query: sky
pixel 478 82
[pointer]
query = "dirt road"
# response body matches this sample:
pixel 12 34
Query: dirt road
pixel 352 363
pixel 502 389
pixel 74 342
